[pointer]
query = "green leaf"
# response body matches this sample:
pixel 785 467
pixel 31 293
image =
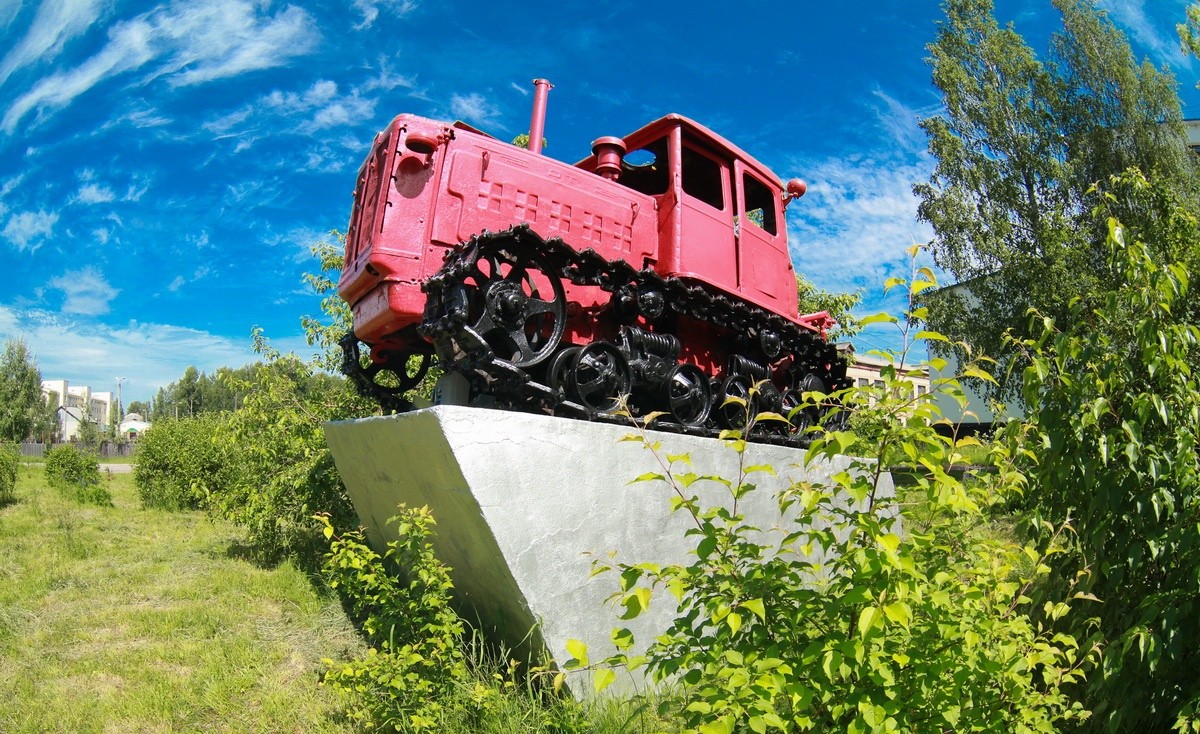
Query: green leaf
pixel 876 318
pixel 579 651
pixel 603 678
pixel 649 477
pixel 756 607
pixel 867 619
pixel 723 725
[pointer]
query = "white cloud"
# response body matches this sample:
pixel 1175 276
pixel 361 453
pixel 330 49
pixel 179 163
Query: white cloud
pixel 129 47
pixel 386 81
pixel 86 291
pixel 198 41
pixel 857 219
pixel 176 284
pixel 1158 38
pixel 901 122
pixel 91 193
pixel 53 26
pixel 149 356
pixel 27 230
pixel 370 10
pixel 214 40
pixel 474 108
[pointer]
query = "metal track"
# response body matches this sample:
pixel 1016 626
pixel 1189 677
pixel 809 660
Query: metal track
pixel 461 349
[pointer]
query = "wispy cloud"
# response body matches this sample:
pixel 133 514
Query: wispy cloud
pixel 128 48
pixel 370 10
pixel 86 291
pixel 227 38
pixel 1157 38
pixel 91 193
pixel 473 107
pixel 322 106
pixel 53 26
pixel 28 230
pixel 195 41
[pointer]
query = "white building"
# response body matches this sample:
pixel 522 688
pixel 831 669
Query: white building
pixel 865 370
pixel 132 426
pixel 76 404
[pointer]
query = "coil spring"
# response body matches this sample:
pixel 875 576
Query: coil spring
pixel 639 341
pixel 739 365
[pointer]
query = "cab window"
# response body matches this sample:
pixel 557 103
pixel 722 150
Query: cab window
pixel 645 169
pixel 760 204
pixel 702 178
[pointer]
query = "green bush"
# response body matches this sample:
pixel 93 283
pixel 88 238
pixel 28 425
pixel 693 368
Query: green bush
pixel 285 471
pixel 1113 401
pixel 76 473
pixel 181 462
pixel 10 461
pixel 856 613
pixel 402 602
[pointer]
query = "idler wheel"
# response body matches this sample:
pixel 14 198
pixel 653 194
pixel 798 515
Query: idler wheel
pixel 733 415
pixel 559 368
pixel 515 302
pixel 689 394
pixel 388 374
pixel 599 377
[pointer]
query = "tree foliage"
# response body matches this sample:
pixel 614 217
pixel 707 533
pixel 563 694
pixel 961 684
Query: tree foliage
pixel 859 612
pixel 182 462
pixel 76 473
pixel 1019 149
pixel 10 462
pixel 839 305
pixel 24 412
pixel 1111 442
pixel 196 393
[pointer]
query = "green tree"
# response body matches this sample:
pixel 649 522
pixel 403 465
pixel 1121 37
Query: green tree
pixel 276 436
pixel 1111 442
pixel 187 393
pixel 139 407
pixel 839 305
pixel 89 435
pixel 1019 149
pixel 856 611
pixel 22 404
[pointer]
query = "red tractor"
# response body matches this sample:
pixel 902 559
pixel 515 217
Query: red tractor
pixel 653 274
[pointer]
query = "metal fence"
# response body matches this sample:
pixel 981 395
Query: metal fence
pixel 107 450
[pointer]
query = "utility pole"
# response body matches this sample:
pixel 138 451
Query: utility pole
pixel 120 408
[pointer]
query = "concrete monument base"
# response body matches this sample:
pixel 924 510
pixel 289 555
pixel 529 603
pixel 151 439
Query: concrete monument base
pixel 524 503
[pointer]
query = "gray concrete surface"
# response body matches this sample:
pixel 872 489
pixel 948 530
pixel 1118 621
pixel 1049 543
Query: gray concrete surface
pixel 524 503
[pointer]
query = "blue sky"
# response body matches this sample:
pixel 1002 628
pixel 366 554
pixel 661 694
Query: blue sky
pixel 164 168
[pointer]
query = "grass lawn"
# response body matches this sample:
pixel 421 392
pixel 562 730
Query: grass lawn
pixel 119 619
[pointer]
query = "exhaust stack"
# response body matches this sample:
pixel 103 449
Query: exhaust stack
pixel 537 125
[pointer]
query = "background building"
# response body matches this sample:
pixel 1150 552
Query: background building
pixel 75 405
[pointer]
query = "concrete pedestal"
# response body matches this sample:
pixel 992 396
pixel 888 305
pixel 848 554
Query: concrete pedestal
pixel 524 502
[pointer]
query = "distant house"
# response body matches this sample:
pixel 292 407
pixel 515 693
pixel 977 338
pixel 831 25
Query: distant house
pixel 865 370
pixel 75 405
pixel 133 426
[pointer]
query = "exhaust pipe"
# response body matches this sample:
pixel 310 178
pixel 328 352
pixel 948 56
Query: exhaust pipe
pixel 537 126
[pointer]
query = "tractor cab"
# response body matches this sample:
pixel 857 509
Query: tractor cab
pixel 719 211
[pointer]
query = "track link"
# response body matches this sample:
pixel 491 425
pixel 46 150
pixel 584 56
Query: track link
pixel 446 322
